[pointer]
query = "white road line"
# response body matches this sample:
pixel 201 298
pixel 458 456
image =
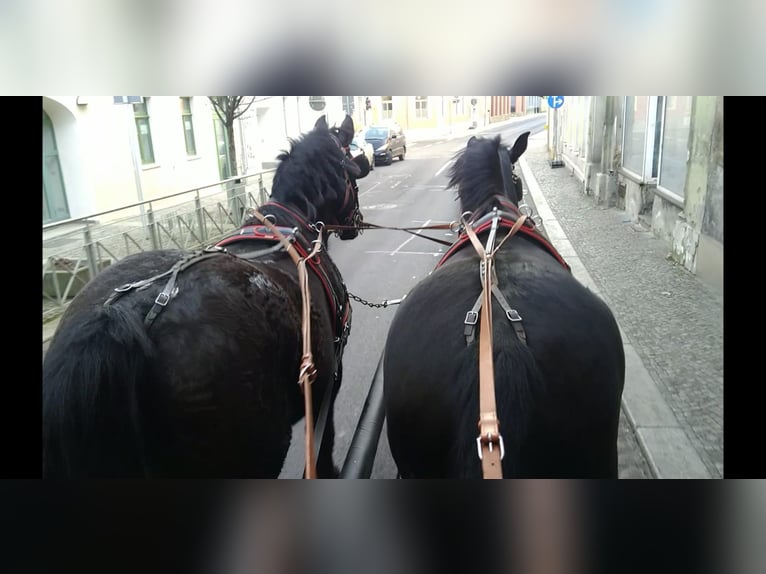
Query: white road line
pixel 442 168
pixel 406 241
pixel 431 253
pixel 370 189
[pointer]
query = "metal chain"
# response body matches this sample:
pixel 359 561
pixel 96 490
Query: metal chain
pixel 382 305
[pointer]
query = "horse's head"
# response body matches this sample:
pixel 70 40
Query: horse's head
pixel 484 169
pixel 358 168
pixel 318 176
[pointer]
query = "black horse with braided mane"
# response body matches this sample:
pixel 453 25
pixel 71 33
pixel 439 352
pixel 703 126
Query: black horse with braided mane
pixel 558 358
pixel 176 364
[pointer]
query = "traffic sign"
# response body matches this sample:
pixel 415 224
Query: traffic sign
pixel 555 102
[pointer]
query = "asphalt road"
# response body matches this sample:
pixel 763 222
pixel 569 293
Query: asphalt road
pixel 386 264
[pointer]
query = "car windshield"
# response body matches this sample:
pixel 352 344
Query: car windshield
pixel 376 133
pixel 354 145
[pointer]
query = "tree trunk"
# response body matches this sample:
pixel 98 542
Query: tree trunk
pixel 232 147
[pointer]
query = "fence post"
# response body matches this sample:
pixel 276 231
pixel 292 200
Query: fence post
pixel 90 251
pixel 262 195
pixel 200 218
pixel 152 228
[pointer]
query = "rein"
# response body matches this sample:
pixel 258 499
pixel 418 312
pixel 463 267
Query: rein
pixel 308 371
pixel 489 425
pixel 411 230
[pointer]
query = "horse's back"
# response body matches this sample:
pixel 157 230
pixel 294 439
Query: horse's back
pixel 566 379
pixel 208 397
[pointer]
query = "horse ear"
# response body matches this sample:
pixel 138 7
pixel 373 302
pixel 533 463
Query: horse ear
pixel 321 123
pixel 519 146
pixel 471 141
pixel 346 131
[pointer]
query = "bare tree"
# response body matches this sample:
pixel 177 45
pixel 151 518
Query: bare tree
pixel 228 109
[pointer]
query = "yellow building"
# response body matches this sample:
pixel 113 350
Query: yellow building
pixel 421 112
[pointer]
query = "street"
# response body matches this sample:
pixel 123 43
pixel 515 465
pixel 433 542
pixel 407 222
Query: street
pixel 386 264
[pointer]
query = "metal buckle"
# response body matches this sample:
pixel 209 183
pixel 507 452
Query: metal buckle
pixel 471 318
pixel 513 315
pixel 123 288
pixel 491 442
pixel 162 299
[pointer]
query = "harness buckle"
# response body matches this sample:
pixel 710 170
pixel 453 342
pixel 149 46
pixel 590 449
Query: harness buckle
pixel 513 315
pixel 124 288
pixel 471 318
pixel 490 442
pixel 162 299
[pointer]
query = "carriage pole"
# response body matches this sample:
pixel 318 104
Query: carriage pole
pixel 364 445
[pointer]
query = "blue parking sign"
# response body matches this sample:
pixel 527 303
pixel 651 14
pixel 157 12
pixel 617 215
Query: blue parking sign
pixel 555 102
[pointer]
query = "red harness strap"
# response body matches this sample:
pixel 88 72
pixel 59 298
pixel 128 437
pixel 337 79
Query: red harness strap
pixel 508 222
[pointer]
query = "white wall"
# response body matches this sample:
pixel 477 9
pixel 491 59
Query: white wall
pixel 94 144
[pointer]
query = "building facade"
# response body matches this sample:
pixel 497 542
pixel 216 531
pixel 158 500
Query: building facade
pixel 99 155
pixel 102 152
pixel 441 112
pixel 660 158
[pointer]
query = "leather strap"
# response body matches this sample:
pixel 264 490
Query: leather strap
pixel 489 439
pixel 308 372
pixel 489 442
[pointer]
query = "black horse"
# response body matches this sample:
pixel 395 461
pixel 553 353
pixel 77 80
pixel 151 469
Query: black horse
pixel 557 393
pixel 175 364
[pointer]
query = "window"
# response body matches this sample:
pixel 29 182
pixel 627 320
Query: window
pixel 387 107
pixel 641 136
pixel 421 107
pixel 634 130
pixel 188 124
pixel 675 144
pixel 348 105
pixel 141 112
pixel 317 103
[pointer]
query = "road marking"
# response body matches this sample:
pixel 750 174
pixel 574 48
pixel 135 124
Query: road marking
pixel 431 253
pixel 369 189
pixel 442 168
pixel 406 241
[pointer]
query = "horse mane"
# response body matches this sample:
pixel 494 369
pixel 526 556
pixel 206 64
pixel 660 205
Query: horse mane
pixel 310 175
pixel 476 172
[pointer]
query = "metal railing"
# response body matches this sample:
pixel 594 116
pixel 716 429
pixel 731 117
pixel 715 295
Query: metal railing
pixel 76 250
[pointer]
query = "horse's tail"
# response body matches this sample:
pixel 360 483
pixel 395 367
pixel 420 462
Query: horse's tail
pixel 92 378
pixel 516 382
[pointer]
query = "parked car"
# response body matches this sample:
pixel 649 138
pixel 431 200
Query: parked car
pixel 358 146
pixel 388 141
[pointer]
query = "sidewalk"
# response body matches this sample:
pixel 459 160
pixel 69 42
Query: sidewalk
pixel 671 322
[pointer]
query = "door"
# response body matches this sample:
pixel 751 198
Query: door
pixel 55 207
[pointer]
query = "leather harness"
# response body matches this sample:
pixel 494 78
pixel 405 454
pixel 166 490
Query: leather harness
pixel 489 443
pixel 294 241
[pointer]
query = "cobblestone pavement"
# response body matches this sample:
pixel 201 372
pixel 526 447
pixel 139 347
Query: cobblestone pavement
pixel 672 318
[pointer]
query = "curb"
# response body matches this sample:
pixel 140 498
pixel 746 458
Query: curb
pixel 667 448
